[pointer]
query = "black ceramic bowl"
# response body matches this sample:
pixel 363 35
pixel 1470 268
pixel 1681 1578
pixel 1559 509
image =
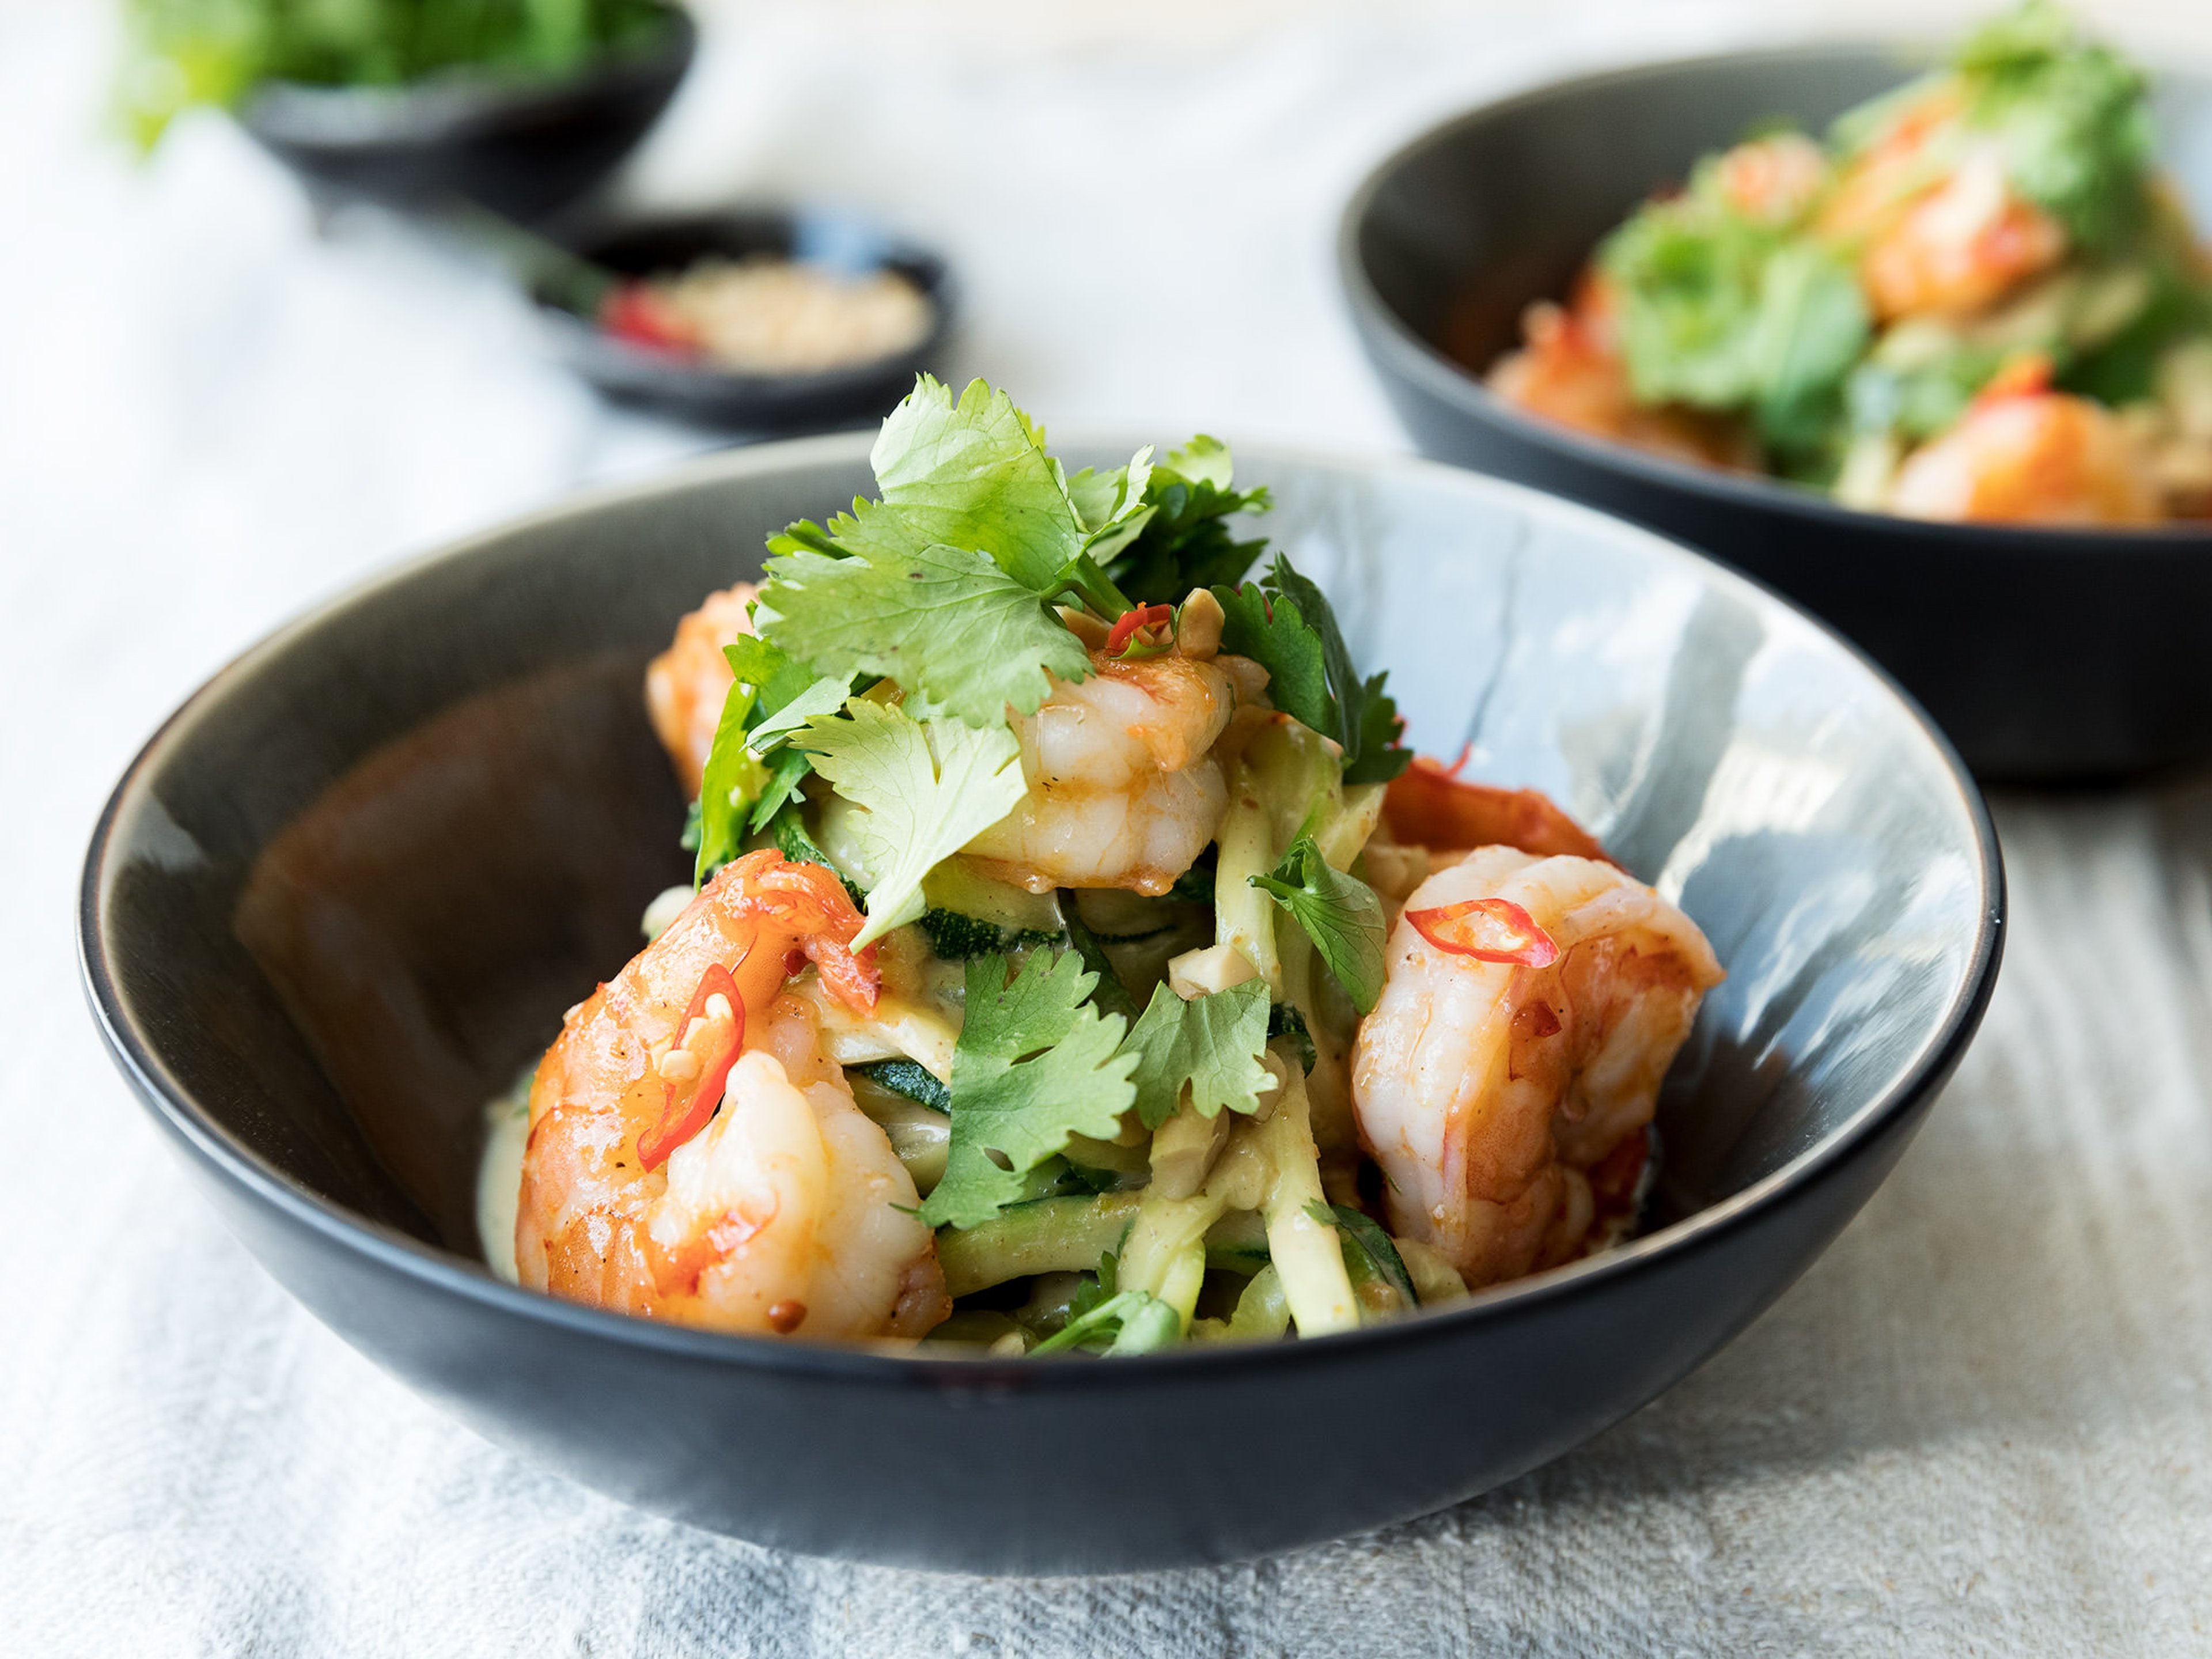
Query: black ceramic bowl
pixel 2044 653
pixel 348 890
pixel 521 147
pixel 699 392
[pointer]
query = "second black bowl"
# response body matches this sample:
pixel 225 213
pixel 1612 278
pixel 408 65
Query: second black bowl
pixel 521 147
pixel 2044 653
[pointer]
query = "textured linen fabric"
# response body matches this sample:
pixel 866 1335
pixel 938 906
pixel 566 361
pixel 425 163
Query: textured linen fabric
pixel 1982 1424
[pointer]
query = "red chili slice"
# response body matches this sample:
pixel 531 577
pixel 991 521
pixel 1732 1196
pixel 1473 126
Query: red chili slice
pixel 684 1118
pixel 1489 930
pixel 633 312
pixel 1133 622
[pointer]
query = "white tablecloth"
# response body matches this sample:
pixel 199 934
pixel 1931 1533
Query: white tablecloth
pixel 1982 1424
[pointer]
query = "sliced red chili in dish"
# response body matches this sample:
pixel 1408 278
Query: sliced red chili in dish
pixel 1487 929
pixel 1133 622
pixel 689 1110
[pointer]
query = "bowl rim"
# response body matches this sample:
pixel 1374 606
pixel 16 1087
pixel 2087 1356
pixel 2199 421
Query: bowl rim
pixel 459 100
pixel 436 1270
pixel 1388 334
pixel 919 263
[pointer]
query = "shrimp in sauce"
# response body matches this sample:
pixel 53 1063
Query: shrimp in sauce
pixel 1506 1100
pixel 1961 248
pixel 1124 787
pixel 768 1204
pixel 2027 455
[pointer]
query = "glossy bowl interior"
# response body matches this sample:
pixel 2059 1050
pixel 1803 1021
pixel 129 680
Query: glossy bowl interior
pixel 522 147
pixel 2044 653
pixel 709 396
pixel 347 892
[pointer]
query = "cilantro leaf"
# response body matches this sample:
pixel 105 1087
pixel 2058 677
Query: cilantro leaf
pixel 1811 327
pixel 1034 1065
pixel 974 475
pixel 1287 627
pixel 1339 913
pixel 1724 310
pixel 2123 368
pixel 1378 755
pixel 807 537
pixel 1137 1322
pixel 774 726
pixel 1367 721
pixel 1285 1020
pixel 737 792
pixel 787 776
pixel 925 791
pixel 1113 505
pixel 1210 1043
pixel 1183 541
pixel 769 740
pixel 1360 1234
pixel 2069 116
pixel 731 783
pixel 1278 637
pixel 770 671
pixel 945 621
pixel 1109 993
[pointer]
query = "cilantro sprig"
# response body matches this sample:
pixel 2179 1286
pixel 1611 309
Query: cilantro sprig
pixel 1035 1063
pixel 1210 1045
pixel 1361 1236
pixel 2069 115
pixel 945 583
pixel 743 787
pixel 1136 1320
pixel 1339 913
pixel 925 789
pixel 948 584
pixel 940 620
pixel 1287 626
pixel 1182 540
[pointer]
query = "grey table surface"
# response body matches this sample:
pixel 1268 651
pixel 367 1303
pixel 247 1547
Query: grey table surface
pixel 1982 1424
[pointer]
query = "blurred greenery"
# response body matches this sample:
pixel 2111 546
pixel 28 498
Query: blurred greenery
pixel 185 52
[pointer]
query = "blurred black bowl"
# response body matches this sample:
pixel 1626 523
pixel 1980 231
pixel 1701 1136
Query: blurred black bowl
pixel 521 147
pixel 2045 654
pixel 696 390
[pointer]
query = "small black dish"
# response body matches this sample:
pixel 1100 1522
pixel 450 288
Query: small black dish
pixel 698 392
pixel 2046 654
pixel 346 890
pixel 521 147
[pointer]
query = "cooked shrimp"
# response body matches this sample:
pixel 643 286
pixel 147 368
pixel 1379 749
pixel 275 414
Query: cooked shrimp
pixel 686 685
pixel 777 1208
pixel 1773 179
pixel 1496 1094
pixel 1124 787
pixel 1961 248
pixel 2030 457
pixel 1570 371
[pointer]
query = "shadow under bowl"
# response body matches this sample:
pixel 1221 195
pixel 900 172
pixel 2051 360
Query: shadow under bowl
pixel 348 890
pixel 524 146
pixel 689 389
pixel 2045 654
